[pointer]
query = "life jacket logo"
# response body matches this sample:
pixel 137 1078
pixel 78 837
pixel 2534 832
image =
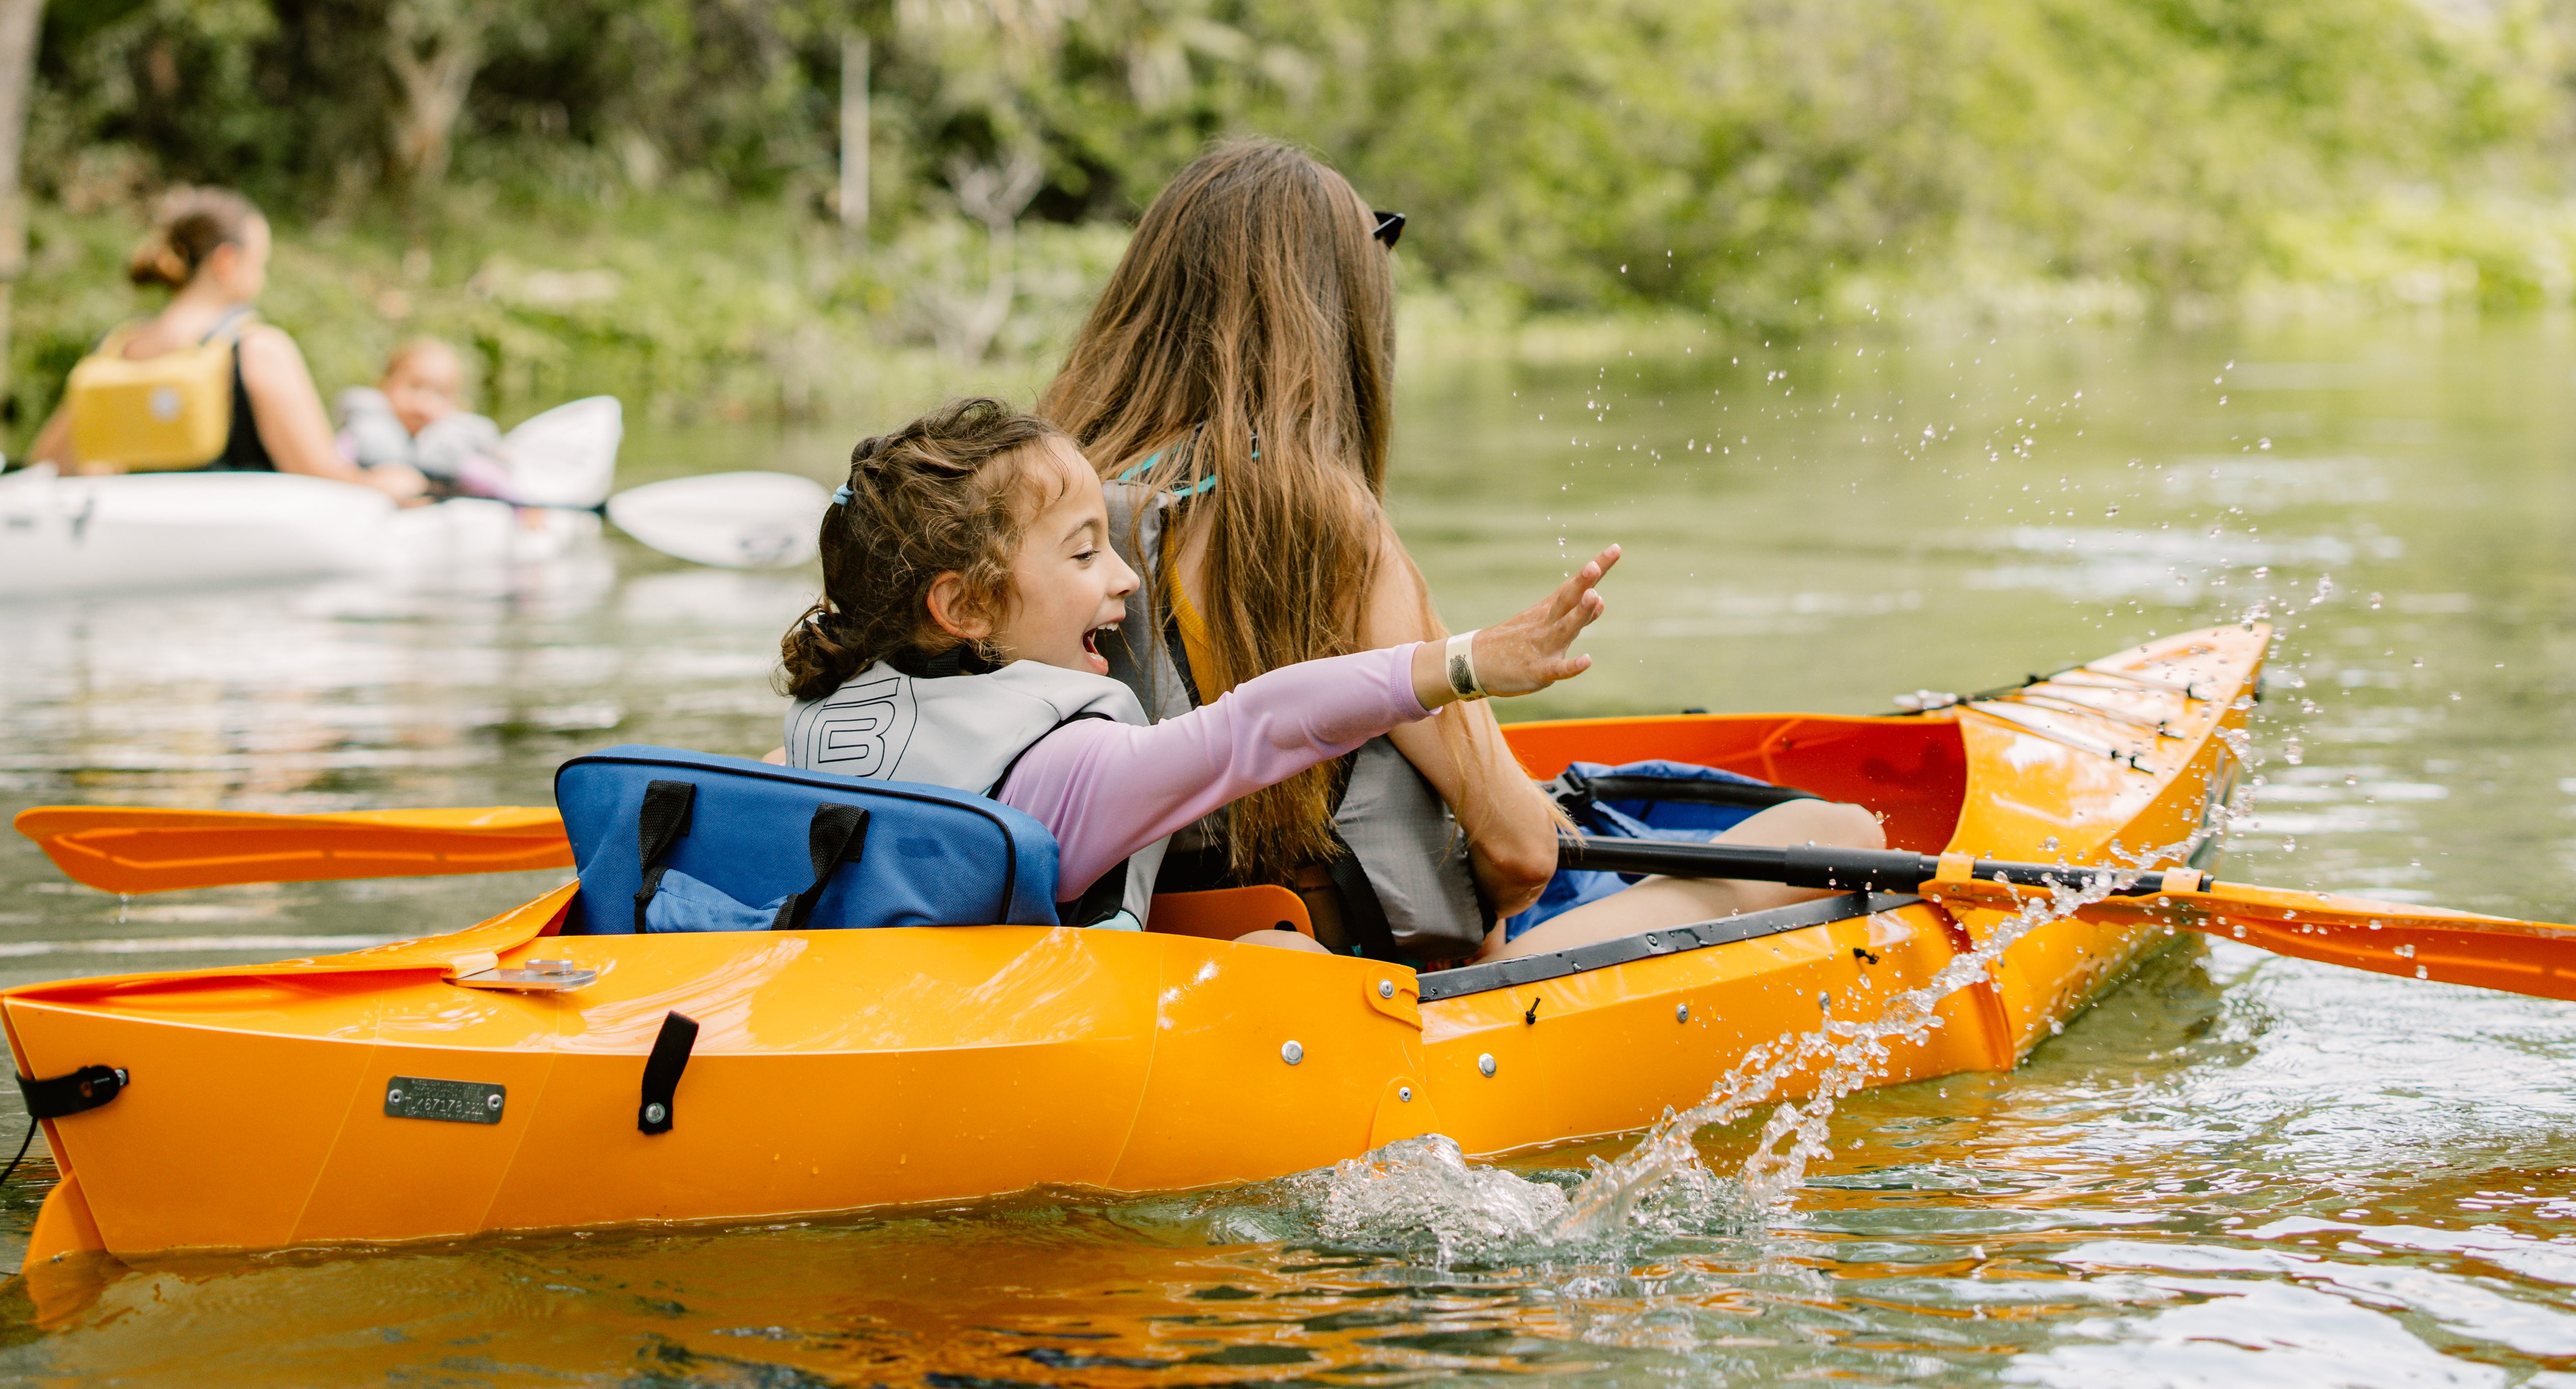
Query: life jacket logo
pixel 163 402
pixel 862 730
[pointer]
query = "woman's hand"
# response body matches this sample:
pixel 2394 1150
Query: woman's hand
pixel 1525 654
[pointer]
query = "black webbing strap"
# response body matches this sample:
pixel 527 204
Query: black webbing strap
pixel 84 1089
pixel 662 822
pixel 1363 915
pixel 1173 646
pixel 662 1071
pixel 1580 792
pixel 1105 898
pixel 994 791
pixel 835 836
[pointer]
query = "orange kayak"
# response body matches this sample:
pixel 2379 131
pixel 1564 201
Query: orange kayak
pixel 504 1078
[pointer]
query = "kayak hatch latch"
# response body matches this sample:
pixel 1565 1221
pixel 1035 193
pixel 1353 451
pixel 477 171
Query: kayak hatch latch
pixel 532 976
pixel 662 1072
pixel 83 1090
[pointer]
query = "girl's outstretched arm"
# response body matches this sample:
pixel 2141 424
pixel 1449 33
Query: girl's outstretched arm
pixel 1109 789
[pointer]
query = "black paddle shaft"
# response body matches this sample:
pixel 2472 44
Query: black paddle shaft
pixel 1840 870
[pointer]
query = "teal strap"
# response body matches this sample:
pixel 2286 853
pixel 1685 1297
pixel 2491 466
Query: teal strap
pixel 1142 468
pixel 1205 484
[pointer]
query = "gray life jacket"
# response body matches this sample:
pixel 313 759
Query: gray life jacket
pixel 1407 889
pixel 964 731
pixel 374 435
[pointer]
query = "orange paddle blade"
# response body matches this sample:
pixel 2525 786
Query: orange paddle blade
pixel 2489 952
pixel 128 849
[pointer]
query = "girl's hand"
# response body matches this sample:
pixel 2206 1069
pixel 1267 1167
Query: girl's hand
pixel 1526 653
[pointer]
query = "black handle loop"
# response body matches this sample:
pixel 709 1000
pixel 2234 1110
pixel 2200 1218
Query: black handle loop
pixel 82 1090
pixel 835 836
pixel 663 822
pixel 662 1071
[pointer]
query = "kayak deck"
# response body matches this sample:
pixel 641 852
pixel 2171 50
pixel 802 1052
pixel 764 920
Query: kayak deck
pixel 838 1070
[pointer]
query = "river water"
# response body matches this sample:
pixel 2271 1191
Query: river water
pixel 2234 1169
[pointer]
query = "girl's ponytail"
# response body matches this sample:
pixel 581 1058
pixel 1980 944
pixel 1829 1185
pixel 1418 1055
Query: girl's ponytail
pixel 813 665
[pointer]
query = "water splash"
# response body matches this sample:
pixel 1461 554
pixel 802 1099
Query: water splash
pixel 1422 1190
pixel 1844 1056
pixel 1421 1198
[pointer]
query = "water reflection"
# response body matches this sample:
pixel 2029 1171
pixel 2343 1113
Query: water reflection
pixel 2236 1169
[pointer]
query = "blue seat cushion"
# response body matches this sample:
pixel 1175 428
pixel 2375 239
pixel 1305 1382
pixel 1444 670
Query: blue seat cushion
pixel 931 856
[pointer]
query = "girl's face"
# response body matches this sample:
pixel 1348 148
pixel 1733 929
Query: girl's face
pixel 425 386
pixel 1067 585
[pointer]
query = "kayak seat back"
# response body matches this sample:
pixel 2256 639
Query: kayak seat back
pixel 671 840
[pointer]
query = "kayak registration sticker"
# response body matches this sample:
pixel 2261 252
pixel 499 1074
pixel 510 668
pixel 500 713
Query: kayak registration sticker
pixel 452 1101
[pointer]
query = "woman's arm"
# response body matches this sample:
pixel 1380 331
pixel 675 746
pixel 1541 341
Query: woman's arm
pixel 54 442
pixel 287 410
pixel 1511 832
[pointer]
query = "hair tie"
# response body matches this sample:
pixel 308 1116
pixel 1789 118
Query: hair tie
pixel 841 496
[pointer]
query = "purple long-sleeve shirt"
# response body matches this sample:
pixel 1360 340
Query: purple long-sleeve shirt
pixel 1108 789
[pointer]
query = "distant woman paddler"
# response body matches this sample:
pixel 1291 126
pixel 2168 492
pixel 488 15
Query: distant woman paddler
pixel 203 385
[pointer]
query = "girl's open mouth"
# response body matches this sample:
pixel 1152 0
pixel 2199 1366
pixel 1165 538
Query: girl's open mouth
pixel 1091 647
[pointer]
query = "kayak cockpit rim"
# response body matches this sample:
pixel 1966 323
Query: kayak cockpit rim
pixel 1669 940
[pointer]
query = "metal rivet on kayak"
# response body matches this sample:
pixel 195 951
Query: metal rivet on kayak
pixel 393 1097
pixel 654 1113
pixel 1485 1063
pixel 1292 1053
pixel 1404 1094
pixel 1681 1013
pixel 1386 988
pixel 491 1101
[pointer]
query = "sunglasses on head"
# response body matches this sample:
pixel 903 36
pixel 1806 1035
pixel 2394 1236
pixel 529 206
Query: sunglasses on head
pixel 1390 227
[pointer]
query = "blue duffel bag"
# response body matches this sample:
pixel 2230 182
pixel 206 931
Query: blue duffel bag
pixel 1680 801
pixel 669 840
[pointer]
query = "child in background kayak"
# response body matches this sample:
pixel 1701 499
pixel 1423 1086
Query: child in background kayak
pixel 967 579
pixel 416 415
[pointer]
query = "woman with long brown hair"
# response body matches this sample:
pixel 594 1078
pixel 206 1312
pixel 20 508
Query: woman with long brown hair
pixel 1237 377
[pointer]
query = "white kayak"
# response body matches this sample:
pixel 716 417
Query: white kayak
pixel 142 531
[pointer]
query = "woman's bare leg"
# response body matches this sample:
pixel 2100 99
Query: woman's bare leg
pixel 1658 902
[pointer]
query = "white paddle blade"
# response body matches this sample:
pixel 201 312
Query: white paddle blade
pixel 568 455
pixel 730 520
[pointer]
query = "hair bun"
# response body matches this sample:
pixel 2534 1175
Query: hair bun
pixel 157 262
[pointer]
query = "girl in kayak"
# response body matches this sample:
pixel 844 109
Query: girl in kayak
pixel 968 583
pixel 203 384
pixel 1235 384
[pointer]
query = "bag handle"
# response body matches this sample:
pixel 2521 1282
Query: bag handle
pixel 663 822
pixel 835 836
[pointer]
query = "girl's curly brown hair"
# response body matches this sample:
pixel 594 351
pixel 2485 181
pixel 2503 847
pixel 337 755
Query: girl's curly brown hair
pixel 945 492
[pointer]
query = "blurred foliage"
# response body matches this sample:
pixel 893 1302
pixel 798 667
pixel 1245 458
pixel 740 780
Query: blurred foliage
pixel 641 192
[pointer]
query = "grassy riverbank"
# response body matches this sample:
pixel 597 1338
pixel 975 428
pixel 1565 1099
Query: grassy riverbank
pixel 695 311
pixel 644 199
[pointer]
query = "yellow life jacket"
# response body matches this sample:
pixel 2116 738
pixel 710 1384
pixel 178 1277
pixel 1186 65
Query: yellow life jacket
pixel 160 413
